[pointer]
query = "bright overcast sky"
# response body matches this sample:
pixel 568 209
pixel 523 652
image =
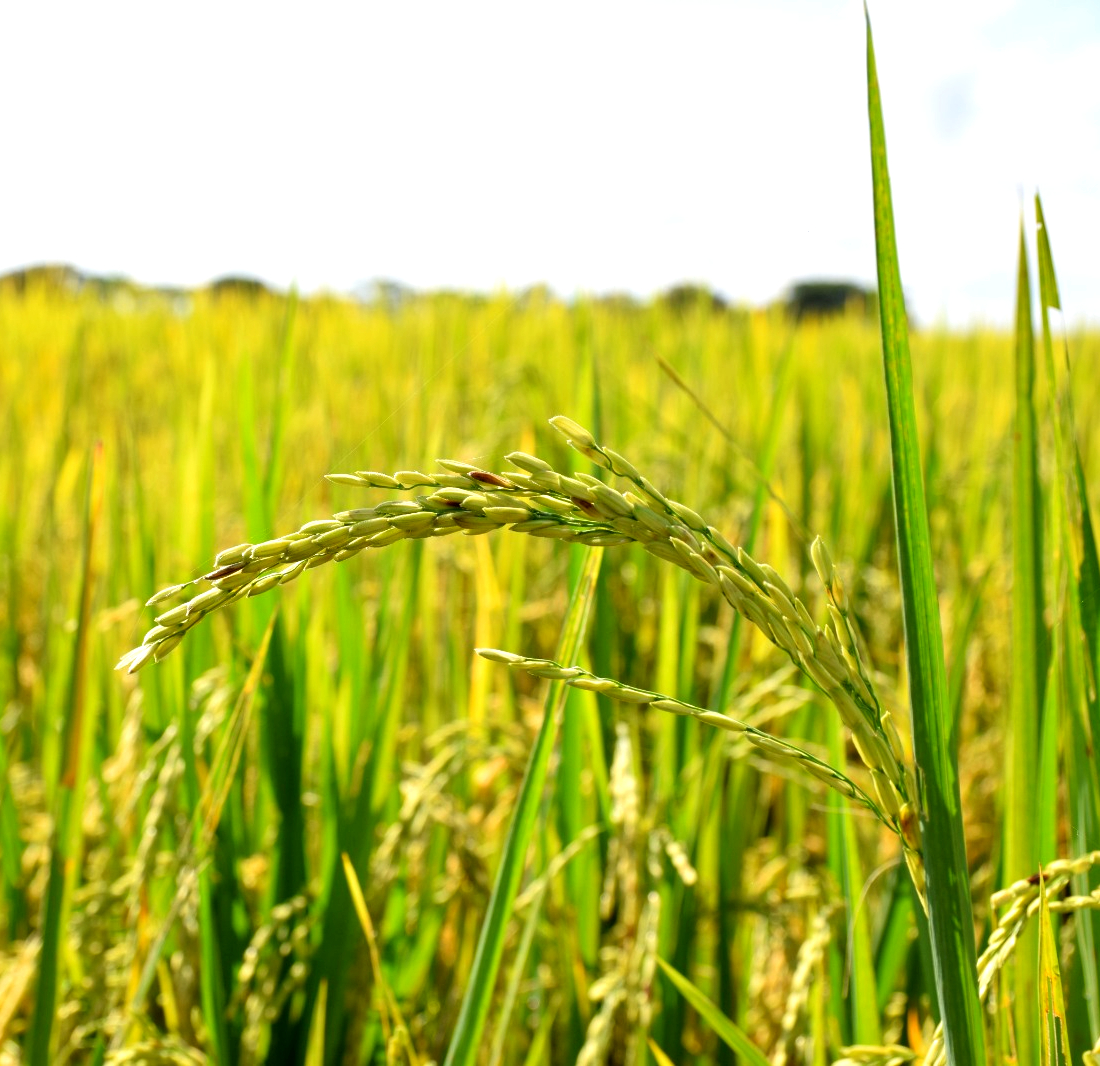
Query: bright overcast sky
pixel 593 146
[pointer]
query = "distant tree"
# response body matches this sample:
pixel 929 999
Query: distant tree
pixel 240 285
pixel 43 275
pixel 621 302
pixel 820 299
pixel 688 296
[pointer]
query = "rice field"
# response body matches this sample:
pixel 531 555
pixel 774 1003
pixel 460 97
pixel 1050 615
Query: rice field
pixel 652 823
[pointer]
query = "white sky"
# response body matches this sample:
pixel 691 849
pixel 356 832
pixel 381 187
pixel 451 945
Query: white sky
pixel 593 146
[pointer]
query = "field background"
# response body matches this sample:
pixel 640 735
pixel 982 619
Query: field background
pixel 371 727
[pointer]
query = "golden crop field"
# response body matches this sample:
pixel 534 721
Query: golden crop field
pixel 207 800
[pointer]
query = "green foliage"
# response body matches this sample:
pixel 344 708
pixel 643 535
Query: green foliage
pixel 950 917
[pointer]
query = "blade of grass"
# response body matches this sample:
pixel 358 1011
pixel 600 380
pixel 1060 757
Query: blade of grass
pixel 735 828
pixel 574 807
pixel 949 907
pixel 724 1029
pixel 893 947
pixel 315 1051
pixel 11 852
pixel 204 825
pixel 1053 1041
pixel 1077 627
pixel 658 1055
pixel 538 1053
pixel 11 845
pixel 1021 839
pixel 1050 769
pixel 390 1004
pixel 283 723
pixel 567 859
pixel 213 991
pixel 967 611
pixel 504 1022
pixel 465 1042
pixel 860 1000
pixel 360 814
pixel 582 876
pixel 68 835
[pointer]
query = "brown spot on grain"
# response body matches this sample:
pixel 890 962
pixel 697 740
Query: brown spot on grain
pixel 223 572
pixel 487 478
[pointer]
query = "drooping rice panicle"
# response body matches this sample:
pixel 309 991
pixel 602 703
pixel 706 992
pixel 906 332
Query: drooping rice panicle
pixel 628 963
pixel 537 500
pixel 809 961
pixel 771 748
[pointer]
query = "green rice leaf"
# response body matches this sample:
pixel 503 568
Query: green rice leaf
pixel 726 1031
pixel 1021 831
pixel 658 1055
pixel 1077 627
pixel 466 1040
pixel 355 832
pixel 861 1000
pixel 565 859
pixel 949 908
pixel 11 850
pixel 892 948
pixel 1053 1038
pixel 67 840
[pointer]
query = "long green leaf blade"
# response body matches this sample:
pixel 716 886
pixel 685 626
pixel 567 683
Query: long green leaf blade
pixel 861 1000
pixel 949 907
pixel 1053 1039
pixel 727 1032
pixel 68 837
pixel 479 991
pixel 1077 578
pixel 1021 836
